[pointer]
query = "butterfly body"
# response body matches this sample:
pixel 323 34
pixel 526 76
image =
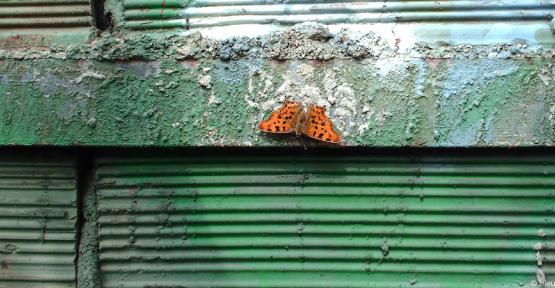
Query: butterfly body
pixel 293 118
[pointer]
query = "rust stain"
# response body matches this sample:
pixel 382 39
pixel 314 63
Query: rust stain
pixel 5 265
pixel 316 62
pixel 278 62
pixel 163 7
pixel 433 62
pixel 21 41
pixel 419 142
pixel 132 191
pixel 189 63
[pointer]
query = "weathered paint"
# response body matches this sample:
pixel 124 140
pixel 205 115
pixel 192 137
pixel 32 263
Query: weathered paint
pixel 255 16
pixel 188 102
pixel 37 221
pixel 455 22
pixel 51 14
pixel 382 84
pixel 295 221
pixel 41 24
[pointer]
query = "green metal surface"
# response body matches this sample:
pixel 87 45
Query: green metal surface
pixel 284 221
pixel 44 24
pixel 37 222
pixel 44 14
pixel 194 14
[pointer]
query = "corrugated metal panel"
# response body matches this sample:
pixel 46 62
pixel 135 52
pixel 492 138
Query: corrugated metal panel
pixel 41 14
pixel 326 221
pixel 155 14
pixel 37 223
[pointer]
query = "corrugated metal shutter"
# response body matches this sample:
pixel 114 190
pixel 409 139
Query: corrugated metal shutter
pixel 326 221
pixel 37 223
pixel 155 14
pixel 44 14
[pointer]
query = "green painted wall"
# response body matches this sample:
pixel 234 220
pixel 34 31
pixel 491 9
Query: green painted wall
pixel 440 102
pixel 38 220
pixel 465 221
pixel 170 89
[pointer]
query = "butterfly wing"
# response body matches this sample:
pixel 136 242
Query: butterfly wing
pixel 282 120
pixel 319 126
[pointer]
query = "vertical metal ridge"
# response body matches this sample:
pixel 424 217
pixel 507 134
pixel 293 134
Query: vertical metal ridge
pixel 396 228
pixel 37 222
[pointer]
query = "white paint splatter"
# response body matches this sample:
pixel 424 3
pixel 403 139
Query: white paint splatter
pixel 88 74
pixel 214 100
pixel 540 276
pixel 205 81
pixel 539 257
pixel 552 114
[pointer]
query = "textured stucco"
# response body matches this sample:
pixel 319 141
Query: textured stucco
pixel 188 90
pixel 385 102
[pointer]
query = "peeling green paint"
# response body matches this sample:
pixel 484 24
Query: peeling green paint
pixel 188 102
pixel 126 88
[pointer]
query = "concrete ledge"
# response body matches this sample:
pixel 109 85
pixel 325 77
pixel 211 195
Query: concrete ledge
pixel 401 101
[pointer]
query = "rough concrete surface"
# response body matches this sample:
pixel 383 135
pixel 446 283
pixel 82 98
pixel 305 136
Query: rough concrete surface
pixel 166 89
pixel 87 262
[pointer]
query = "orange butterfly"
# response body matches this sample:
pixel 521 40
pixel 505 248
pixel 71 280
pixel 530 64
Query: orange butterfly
pixel 291 117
